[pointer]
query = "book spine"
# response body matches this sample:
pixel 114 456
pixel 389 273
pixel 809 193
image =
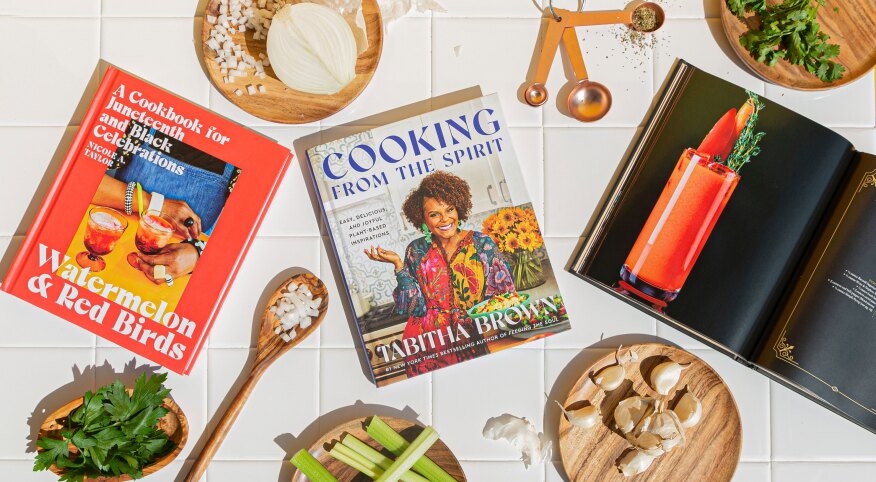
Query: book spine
pixel 333 248
pixel 60 179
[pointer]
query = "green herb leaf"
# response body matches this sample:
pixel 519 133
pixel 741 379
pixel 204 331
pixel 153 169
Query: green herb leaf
pixel 116 433
pixel 790 31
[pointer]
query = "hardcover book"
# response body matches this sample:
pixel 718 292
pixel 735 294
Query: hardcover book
pixel 147 221
pixel 436 238
pixel 750 228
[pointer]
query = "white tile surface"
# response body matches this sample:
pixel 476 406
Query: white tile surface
pixel 567 167
pixel 61 61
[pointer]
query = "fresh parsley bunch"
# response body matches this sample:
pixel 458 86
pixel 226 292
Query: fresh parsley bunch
pixel 114 433
pixel 790 31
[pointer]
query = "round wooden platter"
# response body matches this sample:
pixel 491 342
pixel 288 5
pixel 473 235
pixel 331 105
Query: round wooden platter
pixel 712 447
pixel 853 28
pixel 439 453
pixel 174 423
pixel 280 103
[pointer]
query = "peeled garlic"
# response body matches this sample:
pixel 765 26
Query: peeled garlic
pixel 610 377
pixel 689 409
pixel 584 417
pixel 635 462
pixel 646 442
pixel 665 376
pixel 312 48
pixel 631 411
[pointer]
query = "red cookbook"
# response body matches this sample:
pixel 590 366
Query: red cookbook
pixel 147 221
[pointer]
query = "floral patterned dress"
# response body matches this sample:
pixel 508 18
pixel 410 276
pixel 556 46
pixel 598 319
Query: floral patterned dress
pixel 436 294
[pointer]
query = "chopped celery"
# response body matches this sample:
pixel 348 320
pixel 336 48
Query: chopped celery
pixel 378 458
pixel 395 443
pixel 311 467
pixel 406 460
pixel 350 457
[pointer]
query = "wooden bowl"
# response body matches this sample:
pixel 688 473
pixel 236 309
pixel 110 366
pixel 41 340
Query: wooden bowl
pixel 174 423
pixel 439 453
pixel 280 103
pixel 853 28
pixel 711 451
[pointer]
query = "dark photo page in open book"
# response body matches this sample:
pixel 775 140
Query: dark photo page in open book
pixel 824 337
pixel 716 206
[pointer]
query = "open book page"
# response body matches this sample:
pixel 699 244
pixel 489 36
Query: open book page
pixel 700 240
pixel 823 339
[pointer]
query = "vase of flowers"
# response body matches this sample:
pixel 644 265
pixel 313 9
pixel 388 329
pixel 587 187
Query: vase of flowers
pixel 516 232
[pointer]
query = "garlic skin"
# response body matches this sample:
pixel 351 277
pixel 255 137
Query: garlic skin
pixel 689 410
pixel 631 411
pixel 312 48
pixel 610 377
pixel 634 462
pixel 584 417
pixel 534 447
pixel 665 376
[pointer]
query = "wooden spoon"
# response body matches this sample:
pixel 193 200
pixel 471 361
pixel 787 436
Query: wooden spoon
pixel 270 348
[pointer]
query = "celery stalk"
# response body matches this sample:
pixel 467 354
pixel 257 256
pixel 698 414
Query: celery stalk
pixel 311 467
pixel 395 443
pixel 359 463
pixel 406 460
pixel 378 458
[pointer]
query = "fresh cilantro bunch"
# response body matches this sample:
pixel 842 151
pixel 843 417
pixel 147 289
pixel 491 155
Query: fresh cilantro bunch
pixel 114 433
pixel 790 31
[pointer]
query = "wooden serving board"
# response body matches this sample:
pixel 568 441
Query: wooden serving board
pixel 711 451
pixel 280 103
pixel 439 453
pixel 853 28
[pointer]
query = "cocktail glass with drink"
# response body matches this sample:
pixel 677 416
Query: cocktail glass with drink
pixel 102 231
pixel 153 233
pixel 684 215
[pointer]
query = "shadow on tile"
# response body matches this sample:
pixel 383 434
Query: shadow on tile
pixel 313 432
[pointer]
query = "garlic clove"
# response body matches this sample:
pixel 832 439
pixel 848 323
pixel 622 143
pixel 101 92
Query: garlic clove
pixel 584 417
pixel 635 462
pixel 665 376
pixel 646 442
pixel 689 410
pixel 631 411
pixel 611 377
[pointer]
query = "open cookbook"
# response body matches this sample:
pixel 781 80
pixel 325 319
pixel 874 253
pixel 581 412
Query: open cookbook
pixel 437 241
pixel 751 228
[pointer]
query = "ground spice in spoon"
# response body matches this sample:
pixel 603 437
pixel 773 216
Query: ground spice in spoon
pixel 644 19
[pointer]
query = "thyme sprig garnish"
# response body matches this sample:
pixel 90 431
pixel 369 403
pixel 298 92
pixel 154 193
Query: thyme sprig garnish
pixel 746 145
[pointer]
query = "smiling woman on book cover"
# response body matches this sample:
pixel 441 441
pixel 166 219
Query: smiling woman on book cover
pixel 445 272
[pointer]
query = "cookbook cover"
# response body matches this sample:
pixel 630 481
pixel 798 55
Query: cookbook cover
pixel 440 249
pixel 147 221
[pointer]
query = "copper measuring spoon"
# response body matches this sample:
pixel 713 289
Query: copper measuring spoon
pixel 588 101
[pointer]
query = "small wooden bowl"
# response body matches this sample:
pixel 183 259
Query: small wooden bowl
pixel 853 28
pixel 280 103
pixel 711 451
pixel 174 423
pixel 439 453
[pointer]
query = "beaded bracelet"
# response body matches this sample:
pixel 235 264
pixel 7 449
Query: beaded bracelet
pixel 129 197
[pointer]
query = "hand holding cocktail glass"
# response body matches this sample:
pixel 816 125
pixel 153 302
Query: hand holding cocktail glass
pixel 104 228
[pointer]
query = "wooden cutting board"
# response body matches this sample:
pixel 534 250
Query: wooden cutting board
pixel 280 103
pixel 853 28
pixel 439 453
pixel 713 445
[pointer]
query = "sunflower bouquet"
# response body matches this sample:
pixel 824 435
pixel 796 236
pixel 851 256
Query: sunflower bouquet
pixel 516 232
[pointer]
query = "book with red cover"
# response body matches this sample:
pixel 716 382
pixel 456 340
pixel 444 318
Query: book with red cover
pixel 147 221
